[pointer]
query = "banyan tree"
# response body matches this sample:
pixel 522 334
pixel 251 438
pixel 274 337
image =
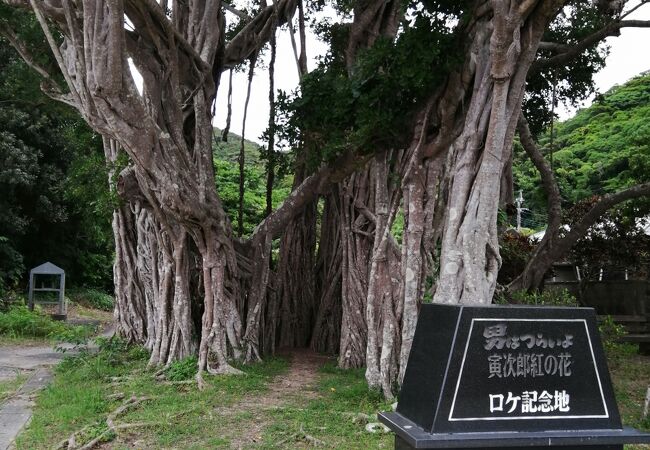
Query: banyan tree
pixel 411 115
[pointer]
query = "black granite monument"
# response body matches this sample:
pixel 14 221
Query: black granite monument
pixel 508 377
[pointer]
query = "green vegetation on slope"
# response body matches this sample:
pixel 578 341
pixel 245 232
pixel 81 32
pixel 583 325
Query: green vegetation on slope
pixel 226 162
pixel 604 148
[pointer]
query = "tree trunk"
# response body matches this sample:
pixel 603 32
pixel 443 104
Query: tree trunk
pixel 296 282
pixel 130 305
pixel 383 305
pixel 327 329
pixel 357 201
pixel 506 44
pixel 541 259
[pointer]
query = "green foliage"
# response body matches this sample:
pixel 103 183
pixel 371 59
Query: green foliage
pixel 92 298
pixel 604 148
pixel 611 334
pixel 19 321
pixel 227 174
pixel 573 81
pixel 549 297
pixel 184 369
pixel 369 107
pixel 53 181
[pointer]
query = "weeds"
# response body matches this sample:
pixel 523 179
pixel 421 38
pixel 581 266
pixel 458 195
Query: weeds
pixel 611 334
pixel 19 322
pixel 92 298
pixel 10 386
pixel 553 297
pixel 88 389
pixel 182 370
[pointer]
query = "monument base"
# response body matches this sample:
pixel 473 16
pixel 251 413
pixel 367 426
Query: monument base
pixel 409 436
pixel 401 444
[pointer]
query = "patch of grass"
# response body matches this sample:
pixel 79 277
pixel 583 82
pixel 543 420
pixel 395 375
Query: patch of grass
pixel 631 378
pixel 10 386
pixel 182 370
pixel 92 298
pixel 178 415
pixel 330 417
pixel 18 323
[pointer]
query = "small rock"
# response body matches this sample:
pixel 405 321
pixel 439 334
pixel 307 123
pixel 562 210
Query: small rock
pixel 361 418
pixel 376 427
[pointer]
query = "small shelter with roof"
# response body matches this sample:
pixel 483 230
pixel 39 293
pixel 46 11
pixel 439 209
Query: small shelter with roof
pixel 47 274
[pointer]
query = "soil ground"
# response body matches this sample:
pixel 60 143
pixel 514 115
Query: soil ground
pixel 291 389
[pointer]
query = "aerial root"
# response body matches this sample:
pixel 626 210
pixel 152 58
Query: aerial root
pixel 112 427
pixel 224 369
pixel 302 436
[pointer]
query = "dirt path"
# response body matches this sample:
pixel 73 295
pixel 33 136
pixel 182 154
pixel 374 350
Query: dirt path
pixel 296 386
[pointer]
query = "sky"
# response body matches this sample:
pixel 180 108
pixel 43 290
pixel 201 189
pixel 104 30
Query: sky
pixel 629 56
pixel 286 79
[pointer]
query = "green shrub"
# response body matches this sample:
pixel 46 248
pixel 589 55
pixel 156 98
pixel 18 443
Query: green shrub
pixel 92 298
pixel 611 334
pixel 19 321
pixel 182 370
pixel 545 298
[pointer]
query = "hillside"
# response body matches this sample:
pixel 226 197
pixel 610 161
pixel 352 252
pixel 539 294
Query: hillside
pixel 226 164
pixel 603 148
pixel 229 151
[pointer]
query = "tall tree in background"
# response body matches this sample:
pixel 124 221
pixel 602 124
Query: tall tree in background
pixel 420 121
pixel 52 182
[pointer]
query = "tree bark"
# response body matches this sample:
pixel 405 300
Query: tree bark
pixel 357 200
pixel 383 304
pixel 506 45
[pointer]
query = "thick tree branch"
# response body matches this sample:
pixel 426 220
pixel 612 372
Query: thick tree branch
pixel 314 185
pixel 241 14
pixel 549 184
pixel 569 52
pixel 36 7
pixel 605 203
pixel 257 32
pixel 26 55
pixel 539 261
pixel 167 30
